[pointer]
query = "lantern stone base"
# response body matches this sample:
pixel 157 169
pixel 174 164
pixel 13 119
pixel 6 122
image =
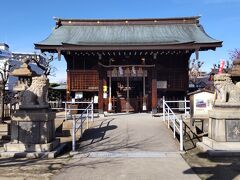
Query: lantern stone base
pixel 224 124
pixel 20 147
pixel 214 148
pixel 32 130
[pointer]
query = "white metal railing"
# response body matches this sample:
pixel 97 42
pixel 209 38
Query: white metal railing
pixel 177 123
pixel 182 105
pixel 79 119
pixel 56 104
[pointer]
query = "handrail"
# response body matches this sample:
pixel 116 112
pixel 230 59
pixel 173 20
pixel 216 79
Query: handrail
pixel 88 111
pixel 185 101
pixel 176 122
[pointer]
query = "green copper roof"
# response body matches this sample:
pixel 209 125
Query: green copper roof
pixel 128 34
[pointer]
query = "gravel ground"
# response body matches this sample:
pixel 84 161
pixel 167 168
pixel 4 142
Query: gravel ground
pixel 29 169
pixel 26 169
pixel 207 167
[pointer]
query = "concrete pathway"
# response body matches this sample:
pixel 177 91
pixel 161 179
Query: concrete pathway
pixel 135 146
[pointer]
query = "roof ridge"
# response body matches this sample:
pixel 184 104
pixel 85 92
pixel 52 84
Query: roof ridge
pixel 137 21
pixel 124 19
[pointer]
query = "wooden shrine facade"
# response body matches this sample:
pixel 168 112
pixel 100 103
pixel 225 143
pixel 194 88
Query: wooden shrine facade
pixel 127 65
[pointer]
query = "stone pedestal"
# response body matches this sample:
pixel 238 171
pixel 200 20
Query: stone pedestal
pixel 32 130
pixel 224 119
pixel 224 129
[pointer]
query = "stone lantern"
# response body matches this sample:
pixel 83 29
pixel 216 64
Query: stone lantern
pixel 235 71
pixel 24 74
pixel 32 125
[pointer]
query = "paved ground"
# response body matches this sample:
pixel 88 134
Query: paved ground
pixel 135 146
pixel 149 157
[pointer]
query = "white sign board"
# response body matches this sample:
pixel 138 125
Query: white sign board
pixel 78 95
pixel 95 99
pixel 162 84
pixel 203 102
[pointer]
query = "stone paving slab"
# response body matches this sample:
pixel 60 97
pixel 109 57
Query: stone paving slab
pixel 127 168
pixel 126 154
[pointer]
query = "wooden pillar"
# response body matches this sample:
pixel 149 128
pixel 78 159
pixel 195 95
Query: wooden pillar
pixel 154 92
pixel 68 86
pixel 144 103
pixel 100 96
pixel 110 94
pixel 102 82
pixel 127 103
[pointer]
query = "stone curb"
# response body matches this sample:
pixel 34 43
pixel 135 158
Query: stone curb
pixel 32 155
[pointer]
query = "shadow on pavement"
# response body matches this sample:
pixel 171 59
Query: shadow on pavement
pixel 95 139
pixel 97 132
pixel 208 167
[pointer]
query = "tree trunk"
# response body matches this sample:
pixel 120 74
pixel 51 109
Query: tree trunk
pixel 2 106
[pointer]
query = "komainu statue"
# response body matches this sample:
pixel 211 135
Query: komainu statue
pixel 226 90
pixel 36 94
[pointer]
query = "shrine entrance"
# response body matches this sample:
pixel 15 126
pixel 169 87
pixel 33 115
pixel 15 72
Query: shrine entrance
pixel 127 89
pixel 131 94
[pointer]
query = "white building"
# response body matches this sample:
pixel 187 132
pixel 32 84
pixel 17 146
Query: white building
pixel 16 60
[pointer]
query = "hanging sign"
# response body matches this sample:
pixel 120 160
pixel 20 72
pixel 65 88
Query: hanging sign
pixel 134 71
pixel 105 88
pixel 131 71
pixel 120 70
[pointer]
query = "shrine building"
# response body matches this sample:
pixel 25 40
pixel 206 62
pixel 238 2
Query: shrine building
pixel 127 65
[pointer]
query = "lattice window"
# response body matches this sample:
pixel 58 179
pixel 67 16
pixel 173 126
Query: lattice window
pixel 84 80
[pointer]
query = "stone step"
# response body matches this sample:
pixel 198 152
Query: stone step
pixel 4 127
pixel 67 124
pixel 5 132
pixel 64 129
pixel 58 123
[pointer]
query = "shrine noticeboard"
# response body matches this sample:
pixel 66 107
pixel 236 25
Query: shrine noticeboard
pixel 202 103
pixel 161 84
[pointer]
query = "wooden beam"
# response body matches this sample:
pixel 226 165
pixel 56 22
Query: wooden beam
pixel 116 66
pixel 187 46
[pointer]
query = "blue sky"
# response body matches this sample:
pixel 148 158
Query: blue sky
pixel 24 22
